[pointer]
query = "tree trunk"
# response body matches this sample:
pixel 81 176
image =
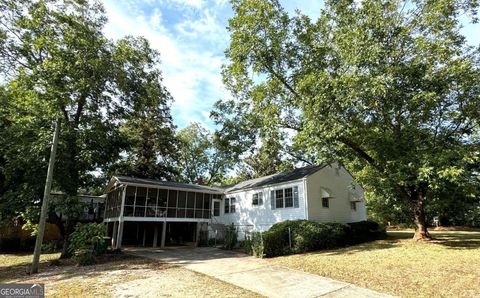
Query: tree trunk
pixel 421 232
pixel 65 253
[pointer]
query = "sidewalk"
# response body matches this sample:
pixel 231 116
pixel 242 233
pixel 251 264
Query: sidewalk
pixel 254 274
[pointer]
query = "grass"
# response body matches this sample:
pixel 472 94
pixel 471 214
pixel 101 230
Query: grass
pixel 115 276
pixel 446 267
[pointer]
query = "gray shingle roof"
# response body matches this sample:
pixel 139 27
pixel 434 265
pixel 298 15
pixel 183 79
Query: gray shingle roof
pixel 282 177
pixel 124 179
pixel 285 176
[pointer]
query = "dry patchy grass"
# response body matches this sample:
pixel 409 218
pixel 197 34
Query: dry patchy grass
pixel 117 276
pixel 446 267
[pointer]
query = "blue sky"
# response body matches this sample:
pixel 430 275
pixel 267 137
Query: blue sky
pixel 191 38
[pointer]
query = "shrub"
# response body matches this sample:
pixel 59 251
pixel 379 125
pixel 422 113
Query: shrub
pixel 364 231
pixel 50 247
pixel 230 237
pixel 257 249
pixel 299 236
pixel 87 237
pixel 85 257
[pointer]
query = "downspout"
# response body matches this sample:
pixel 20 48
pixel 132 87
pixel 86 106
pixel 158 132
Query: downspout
pixel 305 197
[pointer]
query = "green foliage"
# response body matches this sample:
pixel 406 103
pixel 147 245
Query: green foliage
pixel 231 237
pixel 300 236
pixel 85 258
pixel 257 248
pixel 364 231
pixel 57 63
pixel 201 155
pixel 50 247
pixel 86 237
pixel 387 88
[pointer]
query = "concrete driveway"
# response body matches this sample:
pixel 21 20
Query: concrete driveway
pixel 253 274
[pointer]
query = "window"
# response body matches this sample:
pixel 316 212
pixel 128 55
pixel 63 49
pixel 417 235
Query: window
pixel 325 203
pixel 227 206
pixel 353 206
pixel 285 198
pixel 288 197
pixel 230 205
pixel 279 198
pixel 257 199
pixel 216 208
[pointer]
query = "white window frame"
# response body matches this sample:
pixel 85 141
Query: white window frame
pixel 258 197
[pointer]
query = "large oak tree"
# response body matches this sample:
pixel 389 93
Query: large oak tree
pixel 388 88
pixel 115 111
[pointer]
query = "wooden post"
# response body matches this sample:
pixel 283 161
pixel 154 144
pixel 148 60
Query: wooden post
pixel 197 236
pixel 155 235
pixel 119 234
pixel 144 234
pixel 46 196
pixel 164 234
pixel 114 235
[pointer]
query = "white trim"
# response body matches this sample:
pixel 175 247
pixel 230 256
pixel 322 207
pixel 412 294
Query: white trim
pixel 305 197
pixel 172 188
pixel 162 219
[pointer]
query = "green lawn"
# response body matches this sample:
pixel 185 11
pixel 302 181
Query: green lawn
pixel 446 267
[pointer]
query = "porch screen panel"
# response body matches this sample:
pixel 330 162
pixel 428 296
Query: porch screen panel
pixel 207 198
pixel 172 203
pixel 140 201
pixel 151 202
pixel 199 205
pixel 162 202
pixel 182 203
pixel 129 201
pixel 190 205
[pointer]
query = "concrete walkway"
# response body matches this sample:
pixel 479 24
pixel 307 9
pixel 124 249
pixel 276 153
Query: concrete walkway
pixel 254 274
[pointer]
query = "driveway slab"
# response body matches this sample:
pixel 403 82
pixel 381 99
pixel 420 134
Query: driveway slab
pixel 254 274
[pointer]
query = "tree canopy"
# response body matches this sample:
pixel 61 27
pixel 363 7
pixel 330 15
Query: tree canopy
pixel 388 88
pixel 114 110
pixel 201 156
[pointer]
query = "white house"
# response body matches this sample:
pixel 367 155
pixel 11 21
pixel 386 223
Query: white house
pixel 320 193
pixel 135 208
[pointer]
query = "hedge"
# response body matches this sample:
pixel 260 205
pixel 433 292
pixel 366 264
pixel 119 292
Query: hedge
pixel 297 236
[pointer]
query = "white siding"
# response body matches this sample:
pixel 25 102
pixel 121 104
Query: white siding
pixel 262 217
pixel 338 181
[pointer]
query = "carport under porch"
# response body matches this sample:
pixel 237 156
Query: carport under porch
pixel 161 232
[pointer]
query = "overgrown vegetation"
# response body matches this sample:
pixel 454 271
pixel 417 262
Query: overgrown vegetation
pixel 297 236
pixel 231 236
pixel 87 241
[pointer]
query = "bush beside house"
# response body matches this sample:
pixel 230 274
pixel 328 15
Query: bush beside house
pixel 298 236
pixel 86 242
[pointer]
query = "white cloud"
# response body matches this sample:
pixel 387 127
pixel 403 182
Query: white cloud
pixel 191 69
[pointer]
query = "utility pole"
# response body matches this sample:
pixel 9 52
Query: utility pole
pixel 46 197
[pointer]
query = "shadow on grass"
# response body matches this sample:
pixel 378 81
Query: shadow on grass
pixel 67 270
pixel 458 240
pixel 450 239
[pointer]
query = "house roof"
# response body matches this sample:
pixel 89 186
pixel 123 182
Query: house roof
pixel 277 178
pixel 133 180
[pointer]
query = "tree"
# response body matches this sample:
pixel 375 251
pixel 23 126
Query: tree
pixel 388 88
pixel 57 62
pixel 201 155
pixel 148 126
